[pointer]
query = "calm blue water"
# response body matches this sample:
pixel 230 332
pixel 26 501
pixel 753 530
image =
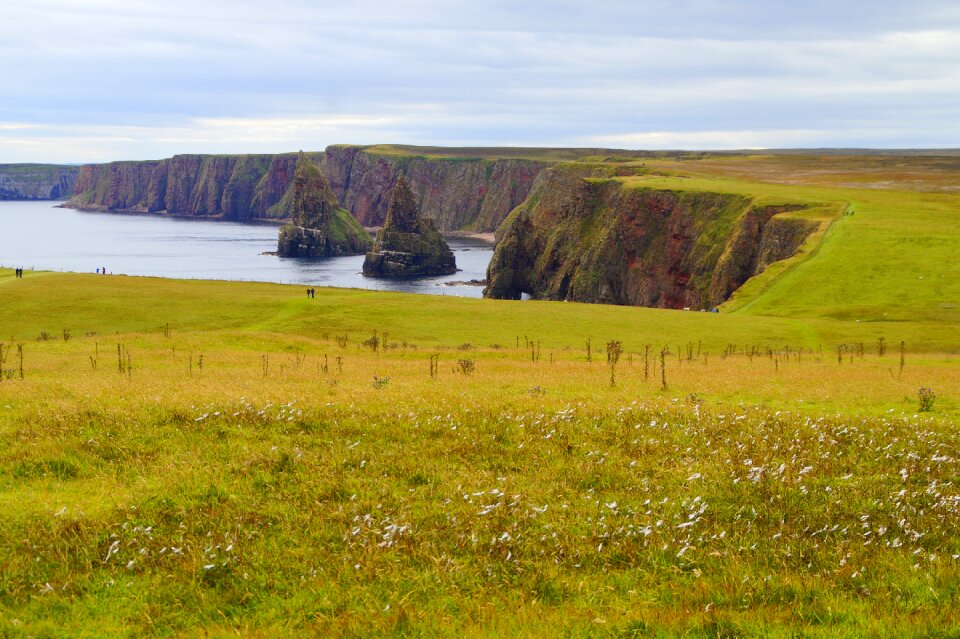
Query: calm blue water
pixel 37 235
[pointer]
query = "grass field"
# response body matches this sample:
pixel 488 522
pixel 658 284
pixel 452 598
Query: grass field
pixel 211 459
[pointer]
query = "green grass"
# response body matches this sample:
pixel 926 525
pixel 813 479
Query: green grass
pixel 298 482
pixel 891 260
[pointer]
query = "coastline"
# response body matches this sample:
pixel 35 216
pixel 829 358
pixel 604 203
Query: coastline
pixel 175 216
pixel 483 237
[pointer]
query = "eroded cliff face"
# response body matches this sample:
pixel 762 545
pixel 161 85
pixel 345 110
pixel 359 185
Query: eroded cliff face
pixel 37 181
pixel 456 193
pixel 235 187
pixel 587 238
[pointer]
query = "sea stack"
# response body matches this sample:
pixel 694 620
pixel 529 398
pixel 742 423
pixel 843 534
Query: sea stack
pixel 408 244
pixel 318 226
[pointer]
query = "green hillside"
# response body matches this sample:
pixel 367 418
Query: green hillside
pixel 191 458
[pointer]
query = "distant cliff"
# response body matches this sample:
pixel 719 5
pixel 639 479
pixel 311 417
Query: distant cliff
pixel 234 187
pixel 457 193
pixel 585 236
pixel 37 181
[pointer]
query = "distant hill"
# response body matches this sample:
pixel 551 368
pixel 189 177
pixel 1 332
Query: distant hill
pixel 37 181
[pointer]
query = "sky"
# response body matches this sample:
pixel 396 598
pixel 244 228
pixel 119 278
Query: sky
pixel 102 80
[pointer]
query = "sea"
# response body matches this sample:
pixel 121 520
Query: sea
pixel 42 236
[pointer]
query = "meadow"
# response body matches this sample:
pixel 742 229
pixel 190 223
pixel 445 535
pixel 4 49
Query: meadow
pixel 212 459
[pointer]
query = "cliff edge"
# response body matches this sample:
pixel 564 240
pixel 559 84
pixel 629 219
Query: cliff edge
pixel 457 192
pixel 587 237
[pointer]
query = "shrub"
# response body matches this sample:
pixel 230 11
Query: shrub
pixel 927 397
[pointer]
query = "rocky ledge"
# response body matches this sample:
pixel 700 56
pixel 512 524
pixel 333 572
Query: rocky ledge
pixel 408 245
pixel 319 227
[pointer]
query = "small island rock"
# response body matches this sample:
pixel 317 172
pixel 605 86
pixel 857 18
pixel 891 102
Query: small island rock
pixel 408 244
pixel 318 226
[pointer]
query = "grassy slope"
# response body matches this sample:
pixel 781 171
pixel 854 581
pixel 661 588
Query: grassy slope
pixel 279 488
pixel 892 260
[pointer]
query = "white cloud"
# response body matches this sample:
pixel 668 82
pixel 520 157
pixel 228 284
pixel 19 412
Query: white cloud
pixel 137 79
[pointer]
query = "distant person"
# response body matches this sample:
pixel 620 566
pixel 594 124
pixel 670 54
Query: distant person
pixel 104 270
pixel 313 292
pixel 98 270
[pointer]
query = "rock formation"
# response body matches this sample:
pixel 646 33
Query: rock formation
pixel 589 238
pixel 234 187
pixel 457 192
pixel 408 245
pixel 37 181
pixel 318 226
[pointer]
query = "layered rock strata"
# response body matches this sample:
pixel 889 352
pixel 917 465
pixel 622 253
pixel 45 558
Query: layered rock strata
pixel 319 227
pixel 593 239
pixel 408 244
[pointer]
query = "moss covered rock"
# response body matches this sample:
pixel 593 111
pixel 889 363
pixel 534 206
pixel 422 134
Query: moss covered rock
pixel 319 227
pixel 408 245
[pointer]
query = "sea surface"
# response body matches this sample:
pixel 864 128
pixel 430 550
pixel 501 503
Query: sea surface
pixel 38 235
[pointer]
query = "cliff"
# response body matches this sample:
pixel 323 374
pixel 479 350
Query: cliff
pixel 408 245
pixel 37 181
pixel 456 192
pixel 319 227
pixel 584 236
pixel 234 187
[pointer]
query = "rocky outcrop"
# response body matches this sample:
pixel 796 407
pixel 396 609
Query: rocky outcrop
pixel 37 181
pixel 319 227
pixel 589 238
pixel 408 244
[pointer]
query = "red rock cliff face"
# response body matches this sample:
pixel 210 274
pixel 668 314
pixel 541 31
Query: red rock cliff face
pixel 272 187
pixel 456 193
pixel 594 240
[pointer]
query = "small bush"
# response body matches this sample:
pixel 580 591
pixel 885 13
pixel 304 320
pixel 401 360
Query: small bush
pixel 466 366
pixel 380 382
pixel 927 397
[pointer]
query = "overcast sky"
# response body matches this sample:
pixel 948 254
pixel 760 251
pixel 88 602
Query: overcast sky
pixel 98 80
